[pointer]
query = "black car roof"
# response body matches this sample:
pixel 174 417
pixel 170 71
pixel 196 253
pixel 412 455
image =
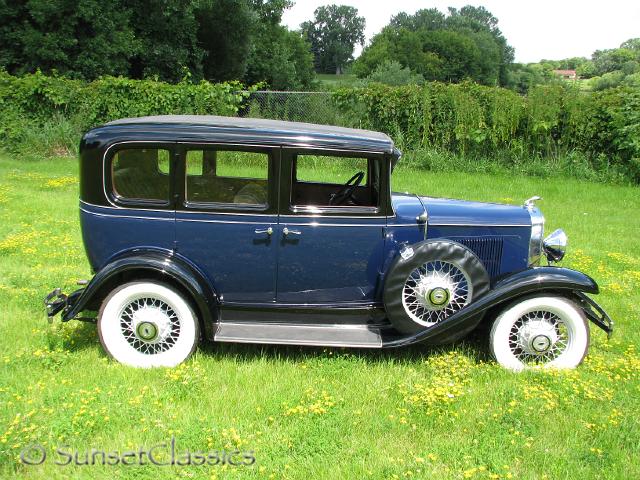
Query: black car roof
pixel 269 132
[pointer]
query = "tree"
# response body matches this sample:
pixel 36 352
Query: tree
pixel 269 12
pixel 479 19
pixel 522 77
pixel 164 39
pixel 393 73
pixel 224 35
pixel 279 57
pixel 465 44
pixel 167 31
pixel 333 34
pixel 606 61
pixel 632 44
pixel 425 19
pixel 81 38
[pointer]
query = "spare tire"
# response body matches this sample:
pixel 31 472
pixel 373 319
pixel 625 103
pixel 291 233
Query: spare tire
pixel 430 281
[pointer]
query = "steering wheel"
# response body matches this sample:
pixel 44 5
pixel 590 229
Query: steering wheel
pixel 346 192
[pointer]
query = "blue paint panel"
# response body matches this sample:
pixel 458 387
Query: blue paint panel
pixel 333 259
pixel 107 231
pixel 470 223
pixel 459 212
pixel 240 263
pixel 515 242
pixel 406 208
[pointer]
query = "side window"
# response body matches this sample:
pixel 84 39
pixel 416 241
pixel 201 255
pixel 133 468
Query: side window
pixel 141 174
pixel 230 177
pixel 335 181
pixel 329 169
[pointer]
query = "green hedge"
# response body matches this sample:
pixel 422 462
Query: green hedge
pixel 474 120
pixel 32 104
pixel 600 130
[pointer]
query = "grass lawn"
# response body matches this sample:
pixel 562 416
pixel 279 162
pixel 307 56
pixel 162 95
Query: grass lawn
pixel 318 413
pixel 331 80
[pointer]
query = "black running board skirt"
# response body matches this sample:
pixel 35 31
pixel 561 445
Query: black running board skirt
pixel 298 334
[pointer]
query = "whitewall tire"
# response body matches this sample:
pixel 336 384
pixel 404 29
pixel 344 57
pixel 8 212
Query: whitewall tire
pixel 147 324
pixel 543 331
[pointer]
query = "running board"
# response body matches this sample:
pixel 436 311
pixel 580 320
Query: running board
pixel 297 334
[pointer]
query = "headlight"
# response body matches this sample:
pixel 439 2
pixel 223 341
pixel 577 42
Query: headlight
pixel 555 245
pixel 537 231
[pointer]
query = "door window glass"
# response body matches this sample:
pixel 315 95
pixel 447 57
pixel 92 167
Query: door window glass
pixel 227 176
pixel 335 181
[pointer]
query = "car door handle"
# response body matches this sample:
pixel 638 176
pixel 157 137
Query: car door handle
pixel 268 230
pixel 286 231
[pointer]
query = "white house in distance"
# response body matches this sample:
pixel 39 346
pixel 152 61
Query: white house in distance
pixel 566 74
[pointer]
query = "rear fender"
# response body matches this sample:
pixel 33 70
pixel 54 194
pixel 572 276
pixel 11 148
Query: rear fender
pixel 157 263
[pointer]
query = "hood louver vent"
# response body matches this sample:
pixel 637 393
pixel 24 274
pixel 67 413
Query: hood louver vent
pixel 488 250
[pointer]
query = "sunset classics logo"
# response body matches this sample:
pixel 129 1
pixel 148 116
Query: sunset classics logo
pixel 161 454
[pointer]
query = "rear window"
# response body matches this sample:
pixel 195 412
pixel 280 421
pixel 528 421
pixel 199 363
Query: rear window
pixel 141 174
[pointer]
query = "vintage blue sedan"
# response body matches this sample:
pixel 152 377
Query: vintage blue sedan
pixel 263 231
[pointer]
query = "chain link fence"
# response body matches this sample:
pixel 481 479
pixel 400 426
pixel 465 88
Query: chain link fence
pixel 311 107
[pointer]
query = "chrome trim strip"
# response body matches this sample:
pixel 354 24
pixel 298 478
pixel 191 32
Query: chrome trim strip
pixel 181 211
pixel 537 235
pixel 302 146
pixel 320 224
pixel 479 224
pixel 223 221
pixel 220 338
pixel 301 210
pixel 254 145
pixel 206 220
pixel 275 215
pixel 126 216
pixel 335 326
pixel 318 215
pixel 326 307
pixel 172 219
pixel 265 334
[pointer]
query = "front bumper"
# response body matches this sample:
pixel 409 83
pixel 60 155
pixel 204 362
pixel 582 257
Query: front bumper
pixel 595 313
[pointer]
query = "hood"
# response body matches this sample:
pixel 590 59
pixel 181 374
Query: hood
pixel 445 211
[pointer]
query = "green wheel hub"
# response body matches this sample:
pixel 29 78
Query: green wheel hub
pixel 439 296
pixel 147 331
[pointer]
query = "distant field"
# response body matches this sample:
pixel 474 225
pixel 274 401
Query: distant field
pixel 331 80
pixel 309 413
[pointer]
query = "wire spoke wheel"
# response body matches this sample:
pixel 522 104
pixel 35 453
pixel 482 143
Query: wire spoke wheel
pixel 150 325
pixel 147 324
pixel 435 290
pixel 538 337
pixel 543 331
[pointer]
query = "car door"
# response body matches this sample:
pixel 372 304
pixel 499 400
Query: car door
pixel 329 254
pixel 225 218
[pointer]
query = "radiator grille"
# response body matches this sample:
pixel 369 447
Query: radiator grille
pixel 488 250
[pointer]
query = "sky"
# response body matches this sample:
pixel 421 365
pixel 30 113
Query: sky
pixel 541 29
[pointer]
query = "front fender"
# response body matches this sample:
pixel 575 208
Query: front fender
pixel 540 279
pixel 165 263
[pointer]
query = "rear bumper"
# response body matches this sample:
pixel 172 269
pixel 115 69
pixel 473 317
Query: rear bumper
pixel 57 301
